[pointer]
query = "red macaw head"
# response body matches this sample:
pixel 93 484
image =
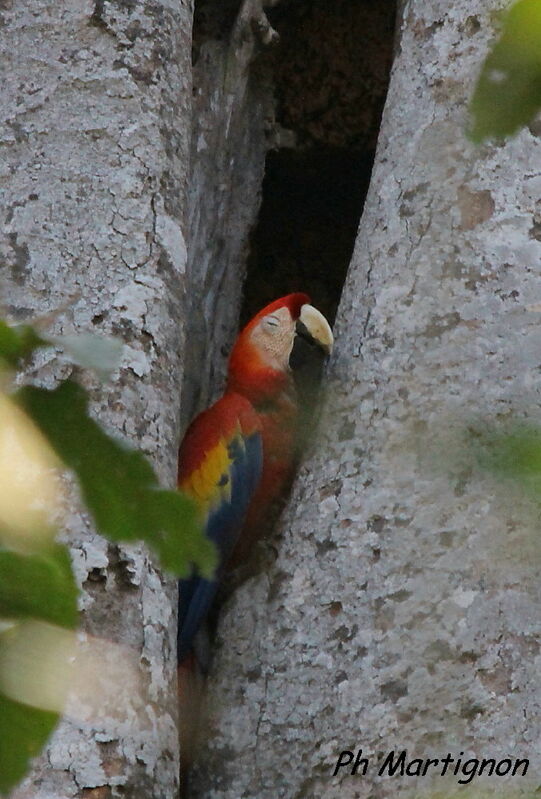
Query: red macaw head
pixel 272 344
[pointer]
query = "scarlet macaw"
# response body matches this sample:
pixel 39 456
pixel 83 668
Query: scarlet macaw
pixel 238 456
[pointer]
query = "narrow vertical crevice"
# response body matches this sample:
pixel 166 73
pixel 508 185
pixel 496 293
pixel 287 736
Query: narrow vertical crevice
pixel 283 142
pixel 330 76
pixel 303 241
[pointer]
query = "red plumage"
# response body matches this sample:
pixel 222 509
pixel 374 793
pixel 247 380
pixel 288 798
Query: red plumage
pixel 217 422
pixel 272 394
pixel 238 457
pixel 247 373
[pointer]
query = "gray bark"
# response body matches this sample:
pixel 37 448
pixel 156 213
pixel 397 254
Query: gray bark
pixel 95 110
pixel 402 610
pixel 232 112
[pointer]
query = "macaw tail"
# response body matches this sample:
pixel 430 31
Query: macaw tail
pixel 191 684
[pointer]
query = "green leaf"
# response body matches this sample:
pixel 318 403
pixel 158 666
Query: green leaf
pixel 18 342
pixel 118 484
pixel 86 349
pixel 508 93
pixel 39 586
pixel 514 452
pixel 179 547
pixel 91 352
pixel 24 731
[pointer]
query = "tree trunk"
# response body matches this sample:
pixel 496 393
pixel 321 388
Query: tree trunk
pixel 402 610
pixel 232 112
pixel 96 101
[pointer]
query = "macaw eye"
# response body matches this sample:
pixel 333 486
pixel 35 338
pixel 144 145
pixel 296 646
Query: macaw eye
pixel 271 322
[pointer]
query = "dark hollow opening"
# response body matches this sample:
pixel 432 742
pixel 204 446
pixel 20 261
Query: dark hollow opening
pixel 212 20
pixel 312 202
pixel 330 73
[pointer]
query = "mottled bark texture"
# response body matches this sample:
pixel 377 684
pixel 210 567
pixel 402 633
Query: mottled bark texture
pixel 95 111
pixel 403 607
pixel 232 115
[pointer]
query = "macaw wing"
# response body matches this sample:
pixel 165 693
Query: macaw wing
pixel 220 462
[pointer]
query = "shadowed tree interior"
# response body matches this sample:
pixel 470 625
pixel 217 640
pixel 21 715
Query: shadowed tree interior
pixel 330 74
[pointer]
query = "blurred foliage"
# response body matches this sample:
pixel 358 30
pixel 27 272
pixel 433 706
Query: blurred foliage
pixel 508 453
pixel 508 92
pixel 117 483
pixel 24 731
pixel 512 451
pixel 37 586
pixel 17 342
pixel 41 431
pixel 99 353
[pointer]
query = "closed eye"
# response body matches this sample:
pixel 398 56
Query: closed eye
pixel 272 321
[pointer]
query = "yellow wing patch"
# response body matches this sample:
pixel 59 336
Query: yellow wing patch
pixel 210 483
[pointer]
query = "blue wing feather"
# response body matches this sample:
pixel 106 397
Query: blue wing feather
pixel 223 525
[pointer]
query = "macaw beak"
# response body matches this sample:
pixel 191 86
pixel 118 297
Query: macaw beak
pixel 313 338
pixel 312 326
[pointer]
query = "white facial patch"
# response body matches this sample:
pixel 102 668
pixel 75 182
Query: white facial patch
pixel 273 337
